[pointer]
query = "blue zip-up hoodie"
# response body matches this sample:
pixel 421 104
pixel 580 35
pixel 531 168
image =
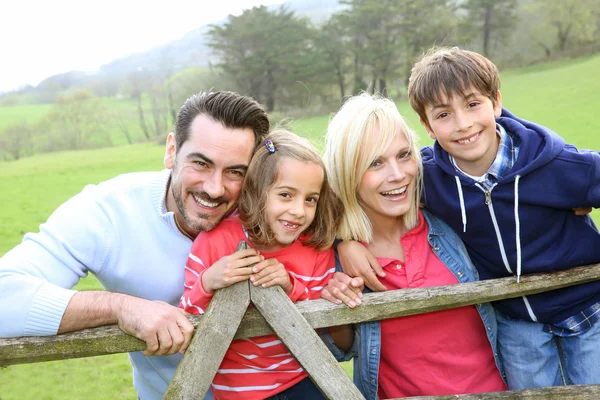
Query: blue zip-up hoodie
pixel 525 223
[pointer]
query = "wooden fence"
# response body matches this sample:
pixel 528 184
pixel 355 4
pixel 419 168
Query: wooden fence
pixel 228 318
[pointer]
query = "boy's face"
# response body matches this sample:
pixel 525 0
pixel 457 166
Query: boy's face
pixel 466 128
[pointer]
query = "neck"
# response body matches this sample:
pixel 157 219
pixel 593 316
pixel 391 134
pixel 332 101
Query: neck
pixel 387 229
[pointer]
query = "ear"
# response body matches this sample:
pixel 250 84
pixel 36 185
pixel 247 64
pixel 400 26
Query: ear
pixel 170 151
pixel 498 105
pixel 428 129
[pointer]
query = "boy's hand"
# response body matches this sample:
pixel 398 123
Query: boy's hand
pixel 582 210
pixel 357 261
pixel 271 272
pixel 230 269
pixel 343 289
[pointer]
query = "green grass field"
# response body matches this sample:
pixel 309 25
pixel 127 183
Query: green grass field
pixel 560 95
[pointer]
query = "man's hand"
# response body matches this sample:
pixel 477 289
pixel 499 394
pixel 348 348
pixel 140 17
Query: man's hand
pixel 271 272
pixel 357 261
pixel 343 289
pixel 230 269
pixel 165 329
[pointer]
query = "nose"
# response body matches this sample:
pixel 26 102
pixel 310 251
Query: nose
pixel 213 185
pixel 297 208
pixel 396 172
pixel 463 121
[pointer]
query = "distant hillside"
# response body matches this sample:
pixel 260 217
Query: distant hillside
pixel 190 50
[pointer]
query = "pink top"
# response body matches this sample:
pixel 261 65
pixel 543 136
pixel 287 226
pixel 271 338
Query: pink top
pixel 439 353
pixel 258 367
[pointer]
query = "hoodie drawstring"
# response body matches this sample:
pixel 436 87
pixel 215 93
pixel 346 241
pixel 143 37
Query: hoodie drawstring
pixel 463 212
pixel 517 227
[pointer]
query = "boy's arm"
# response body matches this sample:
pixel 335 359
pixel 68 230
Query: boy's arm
pixel 357 261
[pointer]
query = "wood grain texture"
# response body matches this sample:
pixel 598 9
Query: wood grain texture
pixel 303 342
pixel 575 392
pixel 319 313
pixel 211 340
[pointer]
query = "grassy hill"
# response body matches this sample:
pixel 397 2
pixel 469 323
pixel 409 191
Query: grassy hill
pixel 560 95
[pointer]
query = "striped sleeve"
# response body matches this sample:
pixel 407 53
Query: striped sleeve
pixel 195 299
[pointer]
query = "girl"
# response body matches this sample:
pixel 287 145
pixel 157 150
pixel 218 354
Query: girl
pixel 374 166
pixel 289 215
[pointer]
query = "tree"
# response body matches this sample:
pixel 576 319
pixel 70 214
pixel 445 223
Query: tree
pixel 76 121
pixel 266 52
pixel 492 18
pixel 571 20
pixel 16 140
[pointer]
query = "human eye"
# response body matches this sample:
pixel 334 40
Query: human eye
pixel 200 164
pixel 237 174
pixel 404 155
pixel 441 115
pixel 376 163
pixel 285 195
pixel 312 200
pixel 473 104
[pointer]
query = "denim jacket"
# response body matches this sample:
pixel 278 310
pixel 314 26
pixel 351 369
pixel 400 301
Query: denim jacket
pixel 367 336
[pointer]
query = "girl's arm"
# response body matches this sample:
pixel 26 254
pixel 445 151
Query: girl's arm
pixel 357 261
pixel 201 281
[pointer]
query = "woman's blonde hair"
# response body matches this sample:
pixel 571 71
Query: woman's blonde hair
pixel 361 131
pixel 262 175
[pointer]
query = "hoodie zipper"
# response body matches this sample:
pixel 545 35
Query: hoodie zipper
pixel 488 202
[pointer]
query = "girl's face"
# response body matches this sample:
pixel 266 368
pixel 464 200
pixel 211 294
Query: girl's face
pixel 292 201
pixel 387 188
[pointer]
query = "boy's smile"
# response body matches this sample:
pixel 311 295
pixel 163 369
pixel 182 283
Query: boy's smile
pixel 466 128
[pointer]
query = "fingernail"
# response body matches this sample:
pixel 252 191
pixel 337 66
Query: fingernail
pixel 255 270
pixel 358 301
pixel 351 303
pixel 252 278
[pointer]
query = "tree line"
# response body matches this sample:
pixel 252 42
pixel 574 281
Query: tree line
pixel 290 63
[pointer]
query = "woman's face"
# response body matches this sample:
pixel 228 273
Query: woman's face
pixel 388 186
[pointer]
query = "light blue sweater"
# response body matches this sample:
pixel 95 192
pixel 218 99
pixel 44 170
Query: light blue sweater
pixel 119 230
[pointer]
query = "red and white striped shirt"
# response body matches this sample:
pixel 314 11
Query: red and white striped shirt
pixel 258 367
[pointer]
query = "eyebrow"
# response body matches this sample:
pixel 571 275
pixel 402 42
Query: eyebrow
pixel 200 156
pixel 295 190
pixel 443 105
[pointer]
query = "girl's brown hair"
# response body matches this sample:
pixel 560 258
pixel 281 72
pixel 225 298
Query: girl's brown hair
pixel 262 174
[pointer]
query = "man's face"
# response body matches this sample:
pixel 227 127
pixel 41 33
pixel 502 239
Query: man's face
pixel 208 171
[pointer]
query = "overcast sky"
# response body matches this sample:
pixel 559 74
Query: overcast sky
pixel 45 37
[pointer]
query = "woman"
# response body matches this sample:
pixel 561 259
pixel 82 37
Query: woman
pixel 374 166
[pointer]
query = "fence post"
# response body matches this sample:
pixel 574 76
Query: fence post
pixel 304 343
pixel 210 343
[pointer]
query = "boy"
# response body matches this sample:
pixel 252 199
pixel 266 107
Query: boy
pixel 508 187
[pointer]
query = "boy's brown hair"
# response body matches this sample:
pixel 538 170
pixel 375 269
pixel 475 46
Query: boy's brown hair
pixel 262 175
pixel 446 72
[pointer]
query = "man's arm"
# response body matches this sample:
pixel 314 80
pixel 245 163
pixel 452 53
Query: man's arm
pixel 36 277
pixel 164 328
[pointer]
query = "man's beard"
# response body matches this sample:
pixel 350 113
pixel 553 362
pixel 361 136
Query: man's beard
pixel 204 224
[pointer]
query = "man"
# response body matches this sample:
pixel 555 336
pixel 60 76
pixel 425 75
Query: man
pixel 134 233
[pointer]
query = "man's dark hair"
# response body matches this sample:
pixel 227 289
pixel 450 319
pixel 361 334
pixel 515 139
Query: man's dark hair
pixel 231 109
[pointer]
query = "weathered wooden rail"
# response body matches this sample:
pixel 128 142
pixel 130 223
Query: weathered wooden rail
pixel 316 314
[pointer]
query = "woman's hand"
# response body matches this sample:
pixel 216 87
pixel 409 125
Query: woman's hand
pixel 357 261
pixel 343 289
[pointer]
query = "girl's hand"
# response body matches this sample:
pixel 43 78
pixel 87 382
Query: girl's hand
pixel 343 289
pixel 271 272
pixel 230 269
pixel 357 261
